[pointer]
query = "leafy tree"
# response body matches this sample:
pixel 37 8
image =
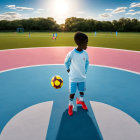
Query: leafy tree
pixel 72 24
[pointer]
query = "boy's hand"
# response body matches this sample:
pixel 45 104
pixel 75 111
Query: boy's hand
pixel 68 70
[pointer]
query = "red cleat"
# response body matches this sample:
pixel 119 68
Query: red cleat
pixel 70 111
pixel 82 103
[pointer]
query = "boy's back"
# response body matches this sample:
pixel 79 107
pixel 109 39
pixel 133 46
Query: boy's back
pixel 76 63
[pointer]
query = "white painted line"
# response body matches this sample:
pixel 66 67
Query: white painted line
pixel 37 48
pixel 115 49
pixel 29 67
pixel 117 68
pixel 63 64
pixel 29 124
pixel 114 124
pixel 70 47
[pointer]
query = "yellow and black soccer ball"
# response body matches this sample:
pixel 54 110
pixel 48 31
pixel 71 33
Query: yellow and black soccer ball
pixel 57 82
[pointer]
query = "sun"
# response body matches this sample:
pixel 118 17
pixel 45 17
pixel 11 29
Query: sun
pixel 60 7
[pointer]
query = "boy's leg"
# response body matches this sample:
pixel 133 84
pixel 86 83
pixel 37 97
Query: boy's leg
pixel 81 88
pixel 71 97
pixel 70 110
pixel 72 90
pixel 81 96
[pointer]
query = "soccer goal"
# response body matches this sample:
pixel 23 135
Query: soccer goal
pixel 20 30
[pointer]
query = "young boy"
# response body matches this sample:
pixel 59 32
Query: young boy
pixel 76 63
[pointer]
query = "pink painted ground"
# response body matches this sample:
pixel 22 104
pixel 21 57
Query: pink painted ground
pixel 10 59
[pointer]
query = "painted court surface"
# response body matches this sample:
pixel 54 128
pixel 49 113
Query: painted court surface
pixel 31 109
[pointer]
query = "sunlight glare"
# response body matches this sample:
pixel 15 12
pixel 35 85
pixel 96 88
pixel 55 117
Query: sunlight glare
pixel 60 7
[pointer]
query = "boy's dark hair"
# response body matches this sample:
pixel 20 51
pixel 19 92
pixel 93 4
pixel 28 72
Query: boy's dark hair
pixel 80 38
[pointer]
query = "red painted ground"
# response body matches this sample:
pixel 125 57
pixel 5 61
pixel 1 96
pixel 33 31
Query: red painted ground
pixel 9 59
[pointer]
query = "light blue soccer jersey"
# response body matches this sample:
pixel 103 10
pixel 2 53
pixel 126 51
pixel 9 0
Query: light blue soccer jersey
pixel 77 62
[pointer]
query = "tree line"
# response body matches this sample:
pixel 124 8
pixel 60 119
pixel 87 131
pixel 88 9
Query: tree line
pixel 72 24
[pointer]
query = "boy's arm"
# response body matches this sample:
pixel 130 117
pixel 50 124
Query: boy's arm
pixel 87 63
pixel 67 61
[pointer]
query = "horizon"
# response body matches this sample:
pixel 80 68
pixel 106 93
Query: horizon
pixel 60 10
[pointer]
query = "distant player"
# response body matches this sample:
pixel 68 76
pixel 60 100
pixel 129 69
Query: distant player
pixel 29 34
pixel 55 36
pixel 116 33
pixel 77 63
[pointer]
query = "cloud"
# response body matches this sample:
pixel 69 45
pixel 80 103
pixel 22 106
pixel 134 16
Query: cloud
pixel 37 12
pixel 24 8
pixel 90 17
pixel 138 12
pixel 108 9
pixel 134 5
pixel 130 14
pixel 119 10
pixel 40 9
pixel 80 12
pixel 131 10
pixel 105 15
pixel 18 8
pixel 11 6
pixel 10 16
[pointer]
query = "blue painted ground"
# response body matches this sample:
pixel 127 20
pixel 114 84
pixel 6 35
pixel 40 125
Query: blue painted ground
pixel 25 87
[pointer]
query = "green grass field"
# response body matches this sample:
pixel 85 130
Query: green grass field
pixel 128 41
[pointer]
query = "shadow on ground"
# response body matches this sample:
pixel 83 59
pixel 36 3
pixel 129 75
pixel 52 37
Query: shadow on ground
pixel 77 127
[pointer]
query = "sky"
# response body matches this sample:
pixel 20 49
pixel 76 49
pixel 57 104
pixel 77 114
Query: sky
pixel 106 10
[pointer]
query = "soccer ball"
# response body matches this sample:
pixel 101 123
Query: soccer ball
pixel 57 82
